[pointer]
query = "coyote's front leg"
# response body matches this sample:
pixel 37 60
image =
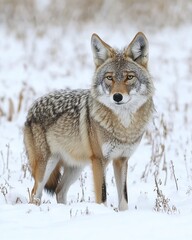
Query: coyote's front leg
pixel 99 180
pixel 120 170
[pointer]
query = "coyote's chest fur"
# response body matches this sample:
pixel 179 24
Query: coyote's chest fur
pixel 119 136
pixel 114 150
pixel 120 129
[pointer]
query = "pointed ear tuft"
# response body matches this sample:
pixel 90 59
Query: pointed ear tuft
pixel 138 49
pixel 101 50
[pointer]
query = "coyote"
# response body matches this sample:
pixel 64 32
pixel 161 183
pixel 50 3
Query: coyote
pixel 67 129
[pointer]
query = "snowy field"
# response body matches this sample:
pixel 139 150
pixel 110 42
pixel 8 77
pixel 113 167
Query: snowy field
pixel 160 171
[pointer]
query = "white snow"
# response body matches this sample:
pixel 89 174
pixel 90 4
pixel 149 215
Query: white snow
pixel 34 65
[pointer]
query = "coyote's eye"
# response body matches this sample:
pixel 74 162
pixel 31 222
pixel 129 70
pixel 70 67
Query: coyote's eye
pixel 110 78
pixel 130 77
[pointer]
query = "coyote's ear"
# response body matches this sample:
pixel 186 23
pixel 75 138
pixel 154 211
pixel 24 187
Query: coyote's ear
pixel 138 49
pixel 101 50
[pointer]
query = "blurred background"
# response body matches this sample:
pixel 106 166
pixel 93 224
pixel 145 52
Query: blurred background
pixel 45 44
pixel 18 15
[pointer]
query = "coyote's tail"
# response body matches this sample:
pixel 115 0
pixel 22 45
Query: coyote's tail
pixel 53 181
pixel 30 148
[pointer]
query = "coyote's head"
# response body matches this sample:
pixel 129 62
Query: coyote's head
pixel 121 78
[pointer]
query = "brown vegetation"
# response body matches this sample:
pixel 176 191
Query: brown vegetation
pixel 20 14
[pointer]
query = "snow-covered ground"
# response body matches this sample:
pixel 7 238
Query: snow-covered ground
pixel 160 172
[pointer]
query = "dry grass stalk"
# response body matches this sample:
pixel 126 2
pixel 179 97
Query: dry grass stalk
pixel 75 213
pixel 162 204
pixel 20 101
pixel 11 110
pixel 1 112
pixel 173 172
pixel 4 191
pixel 29 196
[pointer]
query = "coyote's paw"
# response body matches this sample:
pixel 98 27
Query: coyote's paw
pixel 35 201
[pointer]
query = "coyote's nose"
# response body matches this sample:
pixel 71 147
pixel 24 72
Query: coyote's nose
pixel 117 97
